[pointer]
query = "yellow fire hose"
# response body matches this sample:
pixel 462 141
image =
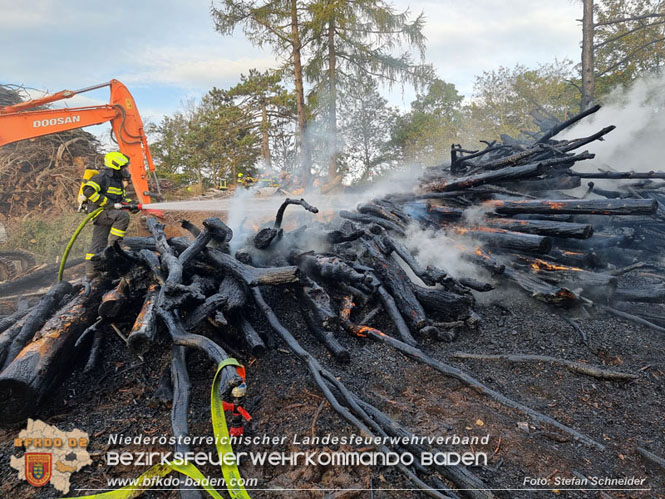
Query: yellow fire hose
pixel 71 242
pixel 232 477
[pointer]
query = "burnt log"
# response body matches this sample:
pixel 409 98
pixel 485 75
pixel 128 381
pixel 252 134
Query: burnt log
pixel 505 239
pixel 205 309
pixel 542 227
pixel 41 364
pixel 476 285
pixel 578 207
pixel 265 236
pixel 95 351
pixel 114 300
pixel 593 284
pixel 325 336
pixel 37 317
pixel 643 294
pixel 370 219
pixel 500 175
pixel 143 331
pixel 234 294
pixel 608 194
pixel 426 275
pixel 152 262
pixel 317 300
pixel 252 276
pixel 10 320
pixel 333 269
pixel 229 377
pixel 398 283
pixel 451 306
pixel 621 175
pixel 7 338
pixel 252 338
pixel 565 124
pixel 180 409
pixel 169 260
pixel 541 290
pixel 379 211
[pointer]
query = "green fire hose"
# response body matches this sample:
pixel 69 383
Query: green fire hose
pixel 71 242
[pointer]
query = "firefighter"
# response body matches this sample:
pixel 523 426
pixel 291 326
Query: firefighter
pixel 107 190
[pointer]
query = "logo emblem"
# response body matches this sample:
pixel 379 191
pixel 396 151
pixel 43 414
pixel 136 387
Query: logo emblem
pixel 37 468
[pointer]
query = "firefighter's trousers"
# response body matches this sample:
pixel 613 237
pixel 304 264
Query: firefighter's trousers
pixel 109 226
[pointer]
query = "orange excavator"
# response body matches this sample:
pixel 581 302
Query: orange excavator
pixel 24 121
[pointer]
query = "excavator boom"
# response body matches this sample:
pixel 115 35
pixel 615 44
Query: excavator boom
pixel 22 121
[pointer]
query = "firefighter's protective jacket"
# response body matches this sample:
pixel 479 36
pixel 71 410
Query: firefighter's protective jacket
pixel 105 189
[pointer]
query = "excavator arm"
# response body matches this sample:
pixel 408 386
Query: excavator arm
pixel 22 121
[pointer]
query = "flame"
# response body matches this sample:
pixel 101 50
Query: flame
pixel 538 265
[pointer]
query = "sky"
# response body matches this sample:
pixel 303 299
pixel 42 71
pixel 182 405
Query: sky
pixel 168 53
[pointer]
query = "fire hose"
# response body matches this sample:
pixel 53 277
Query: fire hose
pixel 72 240
pixel 91 216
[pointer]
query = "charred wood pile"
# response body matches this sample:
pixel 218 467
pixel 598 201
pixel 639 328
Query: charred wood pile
pixel 516 213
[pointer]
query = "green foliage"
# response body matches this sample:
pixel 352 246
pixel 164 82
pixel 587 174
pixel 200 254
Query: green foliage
pixel 363 34
pixel 425 133
pixel 627 49
pixel 272 109
pixel 505 99
pixel 209 141
pixel 366 128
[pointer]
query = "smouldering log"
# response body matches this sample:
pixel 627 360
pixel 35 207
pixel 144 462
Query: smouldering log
pixel 542 227
pixel 505 239
pixel 565 275
pixel 541 290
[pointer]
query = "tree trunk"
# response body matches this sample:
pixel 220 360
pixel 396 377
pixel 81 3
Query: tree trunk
pixel 332 103
pixel 305 160
pixel 265 142
pixel 588 77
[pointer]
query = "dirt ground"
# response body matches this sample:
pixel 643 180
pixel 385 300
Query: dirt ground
pixel 284 401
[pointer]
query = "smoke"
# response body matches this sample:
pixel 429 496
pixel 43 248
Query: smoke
pixel 637 142
pixel 436 249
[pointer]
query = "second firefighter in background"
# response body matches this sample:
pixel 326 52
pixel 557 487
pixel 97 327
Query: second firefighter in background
pixel 106 190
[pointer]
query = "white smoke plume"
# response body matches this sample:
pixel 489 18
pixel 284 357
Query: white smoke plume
pixel 637 143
